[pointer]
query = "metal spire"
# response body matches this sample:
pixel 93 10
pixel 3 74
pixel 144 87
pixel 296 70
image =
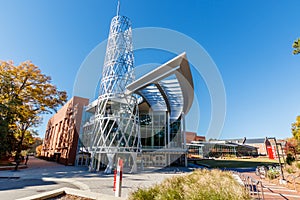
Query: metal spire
pixel 116 128
pixel 118 8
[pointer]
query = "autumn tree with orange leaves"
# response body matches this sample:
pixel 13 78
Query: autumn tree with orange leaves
pixel 296 46
pixel 25 94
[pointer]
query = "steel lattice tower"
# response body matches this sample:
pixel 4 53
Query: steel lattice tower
pixel 116 128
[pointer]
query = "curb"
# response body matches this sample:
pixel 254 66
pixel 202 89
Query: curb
pixel 66 190
pixel 4 168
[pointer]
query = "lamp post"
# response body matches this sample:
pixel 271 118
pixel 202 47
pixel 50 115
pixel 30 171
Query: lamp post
pixel 277 150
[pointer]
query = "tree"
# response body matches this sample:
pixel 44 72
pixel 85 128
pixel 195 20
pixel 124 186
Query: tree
pixel 38 150
pixel 292 146
pixel 37 142
pixel 25 94
pixel 296 128
pixel 296 46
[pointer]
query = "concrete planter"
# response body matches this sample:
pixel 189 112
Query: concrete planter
pixel 71 191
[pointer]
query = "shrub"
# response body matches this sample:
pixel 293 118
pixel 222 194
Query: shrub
pixel 290 170
pixel 198 185
pixel 298 165
pixel 273 173
pixel 290 159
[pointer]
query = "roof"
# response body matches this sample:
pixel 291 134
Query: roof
pixel 219 143
pixel 169 87
pixel 255 140
pixel 237 140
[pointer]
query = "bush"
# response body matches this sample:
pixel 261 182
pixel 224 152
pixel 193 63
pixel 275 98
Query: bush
pixel 201 184
pixel 273 173
pixel 298 165
pixel 290 170
pixel 290 159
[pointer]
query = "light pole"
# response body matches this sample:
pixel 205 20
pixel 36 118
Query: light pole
pixel 277 150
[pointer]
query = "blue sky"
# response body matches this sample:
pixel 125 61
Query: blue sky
pixel 249 41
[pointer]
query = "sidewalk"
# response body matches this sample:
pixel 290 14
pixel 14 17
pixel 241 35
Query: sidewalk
pixel 273 191
pixel 42 176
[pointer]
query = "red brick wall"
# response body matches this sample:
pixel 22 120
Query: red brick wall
pixel 62 133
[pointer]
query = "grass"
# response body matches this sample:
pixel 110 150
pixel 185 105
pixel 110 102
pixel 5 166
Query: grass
pixel 198 185
pixel 237 163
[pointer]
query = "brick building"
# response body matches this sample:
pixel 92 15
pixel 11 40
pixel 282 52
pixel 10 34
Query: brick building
pixel 260 143
pixel 192 136
pixel 62 133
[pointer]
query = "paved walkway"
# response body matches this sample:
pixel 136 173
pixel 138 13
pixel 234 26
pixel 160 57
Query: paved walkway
pixel 273 191
pixel 41 176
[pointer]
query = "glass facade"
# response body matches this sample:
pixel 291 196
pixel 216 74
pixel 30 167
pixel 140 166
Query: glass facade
pixel 153 130
pixel 155 133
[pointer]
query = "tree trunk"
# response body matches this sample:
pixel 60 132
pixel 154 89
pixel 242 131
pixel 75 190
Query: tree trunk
pixel 19 149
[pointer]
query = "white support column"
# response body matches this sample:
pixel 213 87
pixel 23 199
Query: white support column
pixel 184 138
pixel 91 167
pixel 168 124
pixel 99 162
pixel 110 157
pixel 183 130
pixel 169 131
pixel 134 165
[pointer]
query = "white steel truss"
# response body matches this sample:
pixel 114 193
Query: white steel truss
pixel 116 128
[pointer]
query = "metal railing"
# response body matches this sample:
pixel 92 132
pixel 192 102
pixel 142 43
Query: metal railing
pixel 253 186
pixel 293 180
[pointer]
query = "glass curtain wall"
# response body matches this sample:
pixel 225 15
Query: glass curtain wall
pixel 153 129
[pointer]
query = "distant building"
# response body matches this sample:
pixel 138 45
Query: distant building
pixel 219 148
pixel 237 147
pixel 61 137
pixel 236 140
pixel 192 136
pixel 260 143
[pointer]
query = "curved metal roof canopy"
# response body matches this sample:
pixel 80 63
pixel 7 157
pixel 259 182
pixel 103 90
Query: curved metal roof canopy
pixel 169 87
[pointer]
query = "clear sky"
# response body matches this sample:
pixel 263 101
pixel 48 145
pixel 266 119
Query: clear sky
pixel 249 41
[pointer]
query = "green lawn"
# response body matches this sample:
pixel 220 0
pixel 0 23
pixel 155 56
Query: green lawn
pixel 237 163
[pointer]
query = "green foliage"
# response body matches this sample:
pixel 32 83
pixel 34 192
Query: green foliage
pixel 7 139
pixel 296 129
pixel 273 173
pixel 298 165
pixel 290 170
pixel 201 184
pixel 25 93
pixel 296 46
pixel 36 142
pixel 290 159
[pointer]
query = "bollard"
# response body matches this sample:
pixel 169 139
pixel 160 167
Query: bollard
pixel 119 178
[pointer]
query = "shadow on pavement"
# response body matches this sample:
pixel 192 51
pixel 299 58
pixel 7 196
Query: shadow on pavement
pixel 11 184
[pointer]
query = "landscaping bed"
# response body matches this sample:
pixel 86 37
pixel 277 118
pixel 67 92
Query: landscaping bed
pixel 200 184
pixel 235 162
pixel 68 197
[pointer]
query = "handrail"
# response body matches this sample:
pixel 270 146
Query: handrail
pixel 293 178
pixel 253 186
pixel 295 182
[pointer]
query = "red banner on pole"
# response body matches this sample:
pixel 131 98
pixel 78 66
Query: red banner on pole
pixel 270 152
pixel 115 180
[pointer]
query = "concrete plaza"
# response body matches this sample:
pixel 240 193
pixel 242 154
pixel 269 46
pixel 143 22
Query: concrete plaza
pixel 42 176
